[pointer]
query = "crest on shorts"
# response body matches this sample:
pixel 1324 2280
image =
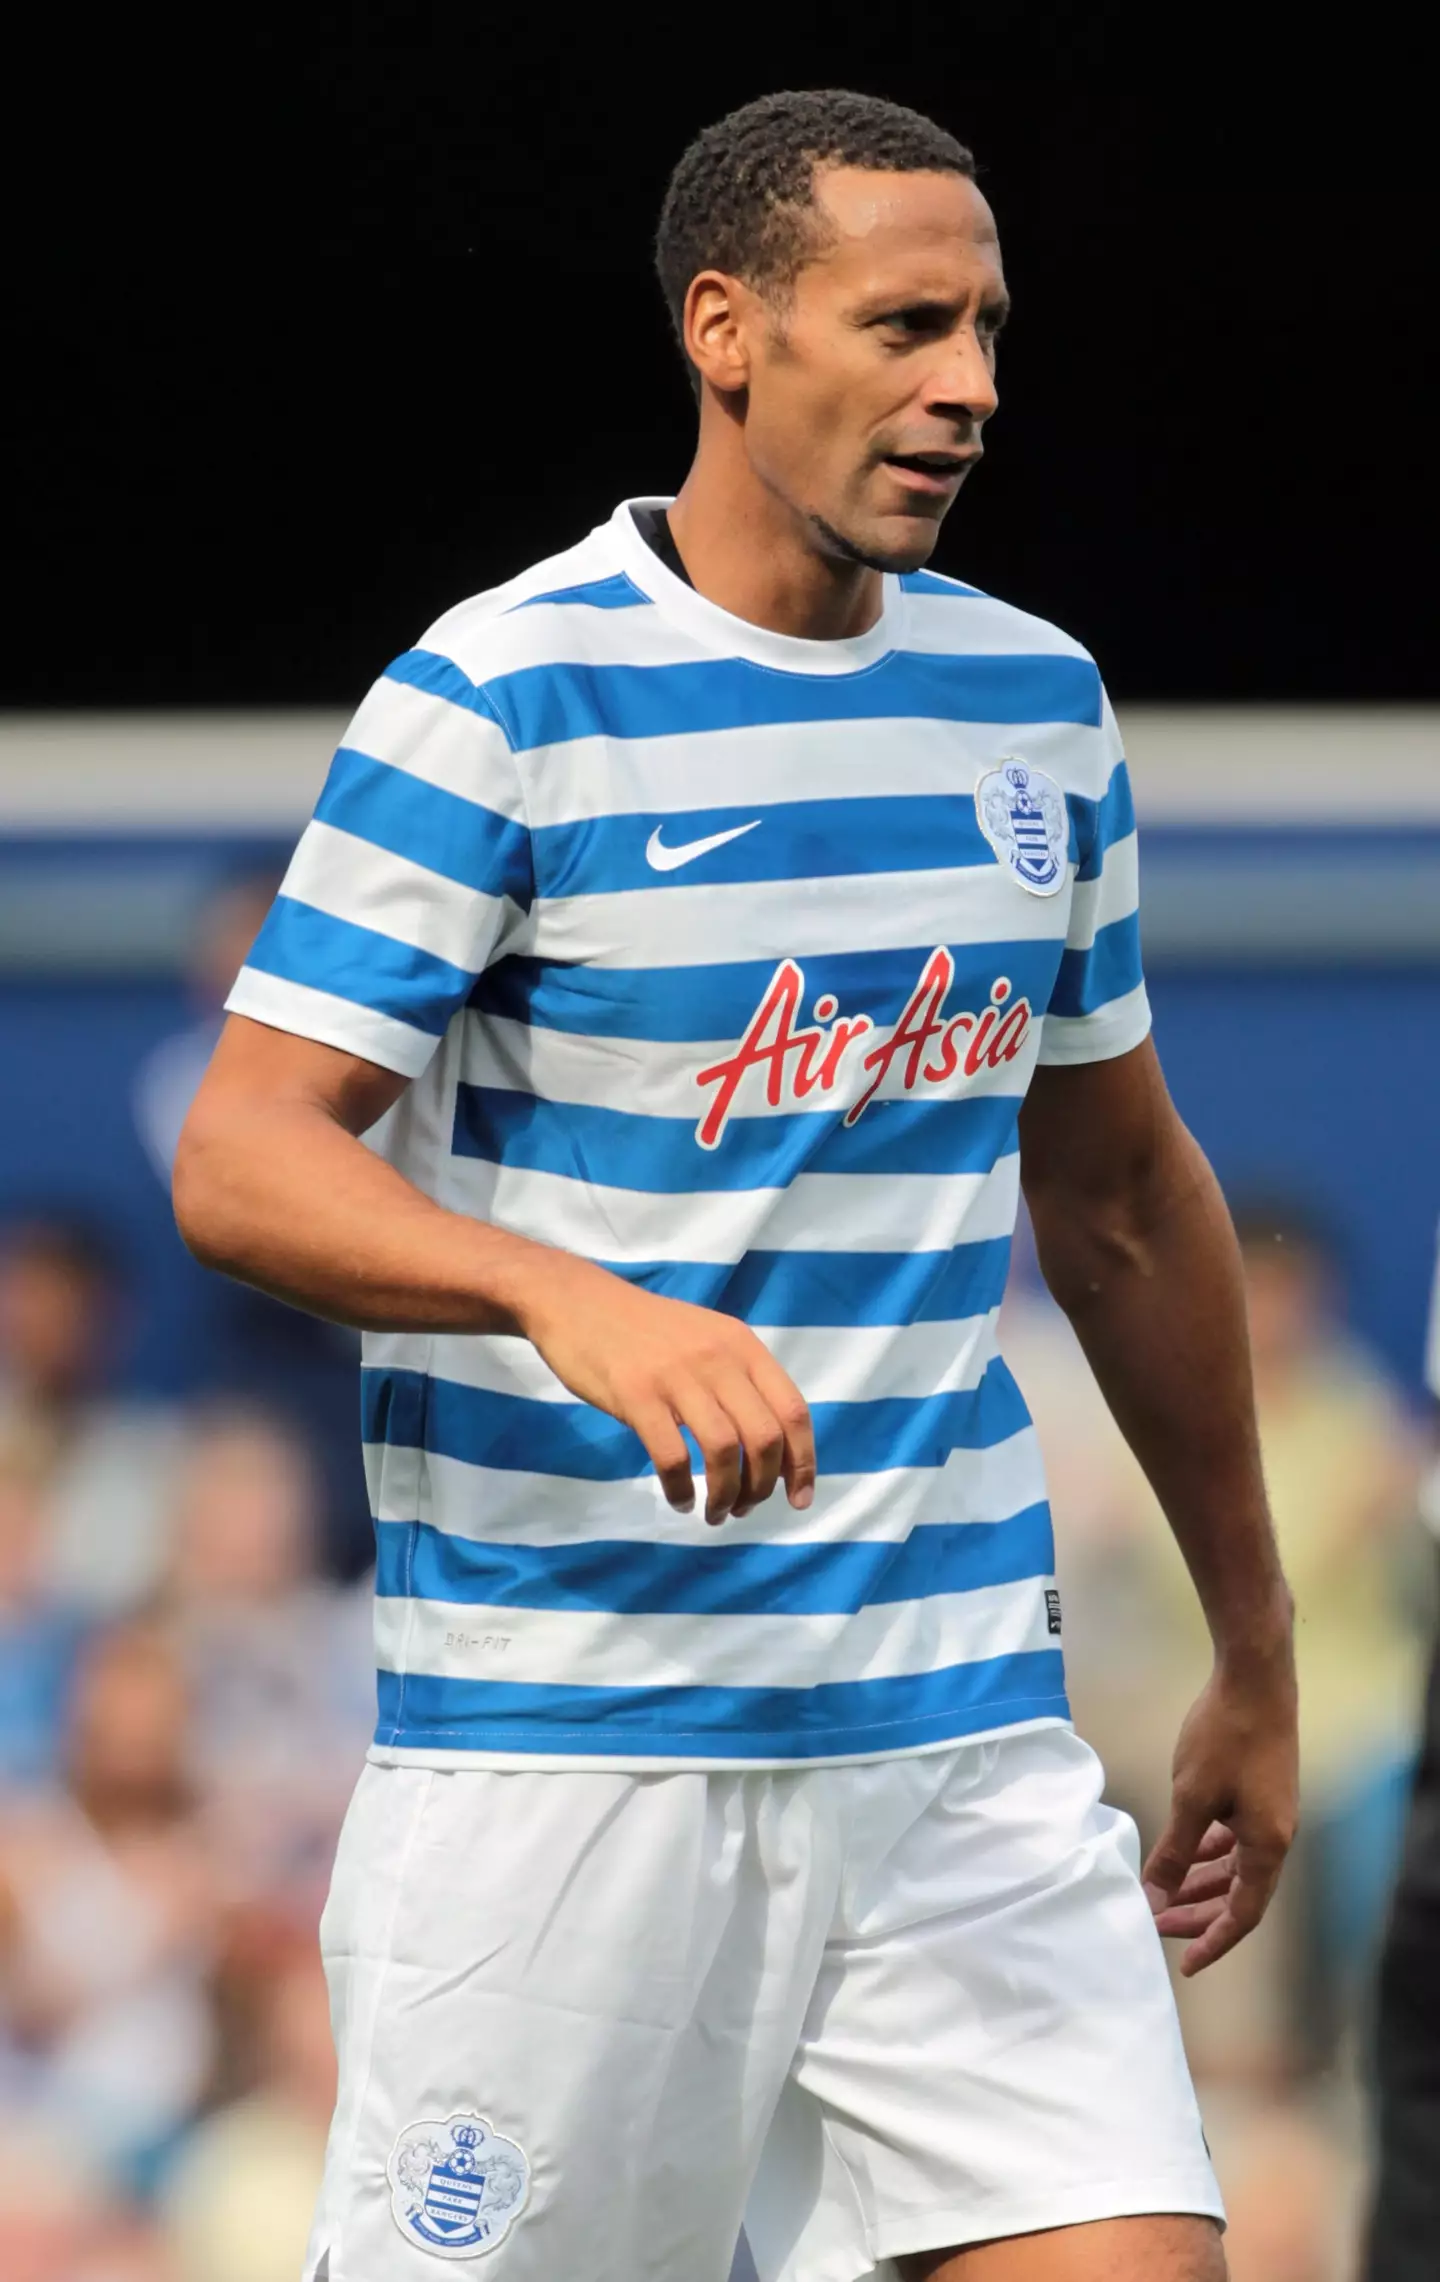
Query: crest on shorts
pixel 1023 815
pixel 456 2187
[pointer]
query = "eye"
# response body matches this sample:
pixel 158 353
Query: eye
pixel 915 324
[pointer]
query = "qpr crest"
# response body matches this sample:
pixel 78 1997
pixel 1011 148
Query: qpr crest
pixel 457 2187
pixel 1023 816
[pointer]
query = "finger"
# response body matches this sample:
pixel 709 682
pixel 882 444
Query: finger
pixel 721 1448
pixel 1186 1920
pixel 1219 1839
pixel 1175 1849
pixel 793 1413
pixel 1206 1880
pixel 658 1429
pixel 1256 1876
pixel 762 1439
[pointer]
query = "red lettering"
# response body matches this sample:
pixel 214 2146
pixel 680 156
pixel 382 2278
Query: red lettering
pixel 992 1037
pixel 755 1051
pixel 840 1037
pixel 919 1022
pixel 949 1051
pixel 1010 1034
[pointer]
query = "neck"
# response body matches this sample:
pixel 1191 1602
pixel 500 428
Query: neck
pixel 751 553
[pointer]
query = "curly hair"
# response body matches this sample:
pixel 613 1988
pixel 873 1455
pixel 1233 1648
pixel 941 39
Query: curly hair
pixel 742 198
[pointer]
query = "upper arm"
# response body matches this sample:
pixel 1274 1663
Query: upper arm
pixel 255 1067
pixel 1092 1132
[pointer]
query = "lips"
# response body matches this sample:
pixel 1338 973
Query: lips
pixel 931 473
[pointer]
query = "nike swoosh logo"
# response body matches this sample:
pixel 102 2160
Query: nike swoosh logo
pixel 663 859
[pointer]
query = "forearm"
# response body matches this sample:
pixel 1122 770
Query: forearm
pixel 282 1196
pixel 1150 1278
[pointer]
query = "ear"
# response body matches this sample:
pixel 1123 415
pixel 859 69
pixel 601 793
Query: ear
pixel 717 313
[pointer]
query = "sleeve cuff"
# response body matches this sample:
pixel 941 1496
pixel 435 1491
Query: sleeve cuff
pixel 331 1021
pixel 1103 1036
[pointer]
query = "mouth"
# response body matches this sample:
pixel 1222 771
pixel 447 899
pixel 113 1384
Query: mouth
pixel 932 475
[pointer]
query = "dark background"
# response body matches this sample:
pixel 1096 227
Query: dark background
pixel 385 331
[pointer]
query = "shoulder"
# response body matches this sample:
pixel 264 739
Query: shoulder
pixel 946 614
pixel 1022 670
pixel 554 610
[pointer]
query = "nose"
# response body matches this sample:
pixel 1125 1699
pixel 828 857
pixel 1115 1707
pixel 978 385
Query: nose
pixel 964 385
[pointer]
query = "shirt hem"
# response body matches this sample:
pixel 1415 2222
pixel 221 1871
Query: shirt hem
pixel 412 1747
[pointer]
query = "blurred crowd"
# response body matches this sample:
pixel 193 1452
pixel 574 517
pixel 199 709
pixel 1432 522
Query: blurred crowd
pixel 185 1700
pixel 186 1695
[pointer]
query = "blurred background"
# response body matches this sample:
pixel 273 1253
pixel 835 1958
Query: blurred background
pixel 239 488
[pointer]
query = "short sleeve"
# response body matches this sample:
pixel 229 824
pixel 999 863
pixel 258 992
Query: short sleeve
pixel 1099 1008
pixel 415 864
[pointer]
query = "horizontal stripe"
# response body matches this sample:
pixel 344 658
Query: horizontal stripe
pixel 1113 894
pixel 566 1066
pixel 822 761
pixel 793 840
pixel 717 1579
pixel 456 838
pixel 617 592
pixel 850 1213
pixel 370 887
pixel 441 677
pixel 853 1365
pixel 468 1640
pixel 831 1720
pixel 931 582
pixel 303 945
pixel 576 1441
pixel 529 1508
pixel 554 704
pixel 834 1287
pixel 461 753
pixel 618 1148
pixel 1113 1029
pixel 1096 824
pixel 1108 971
pixel 698 922
pixel 712 1004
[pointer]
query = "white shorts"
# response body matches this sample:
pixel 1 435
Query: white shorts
pixel 587 2023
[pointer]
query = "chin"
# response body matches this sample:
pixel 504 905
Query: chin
pixel 891 543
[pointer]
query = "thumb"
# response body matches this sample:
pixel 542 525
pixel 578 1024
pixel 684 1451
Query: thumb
pixel 1175 1849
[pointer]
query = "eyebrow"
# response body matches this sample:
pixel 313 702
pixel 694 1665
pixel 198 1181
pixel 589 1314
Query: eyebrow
pixel 993 311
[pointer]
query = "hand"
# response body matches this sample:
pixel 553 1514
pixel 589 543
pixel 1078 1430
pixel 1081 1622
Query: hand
pixel 660 1364
pixel 1234 1811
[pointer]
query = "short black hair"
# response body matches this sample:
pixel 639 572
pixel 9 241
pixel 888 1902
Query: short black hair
pixel 742 198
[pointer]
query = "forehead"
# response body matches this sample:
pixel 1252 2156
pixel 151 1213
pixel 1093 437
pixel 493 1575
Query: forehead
pixel 922 231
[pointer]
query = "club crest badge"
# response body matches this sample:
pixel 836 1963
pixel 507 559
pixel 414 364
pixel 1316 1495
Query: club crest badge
pixel 1023 816
pixel 457 2187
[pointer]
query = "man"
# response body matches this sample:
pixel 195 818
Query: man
pixel 687 924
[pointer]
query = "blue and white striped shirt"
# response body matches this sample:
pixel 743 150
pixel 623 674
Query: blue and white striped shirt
pixel 723 959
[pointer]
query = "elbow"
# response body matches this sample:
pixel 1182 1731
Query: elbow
pixel 196 1197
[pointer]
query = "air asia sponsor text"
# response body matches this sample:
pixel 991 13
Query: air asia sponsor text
pixel 797 1062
